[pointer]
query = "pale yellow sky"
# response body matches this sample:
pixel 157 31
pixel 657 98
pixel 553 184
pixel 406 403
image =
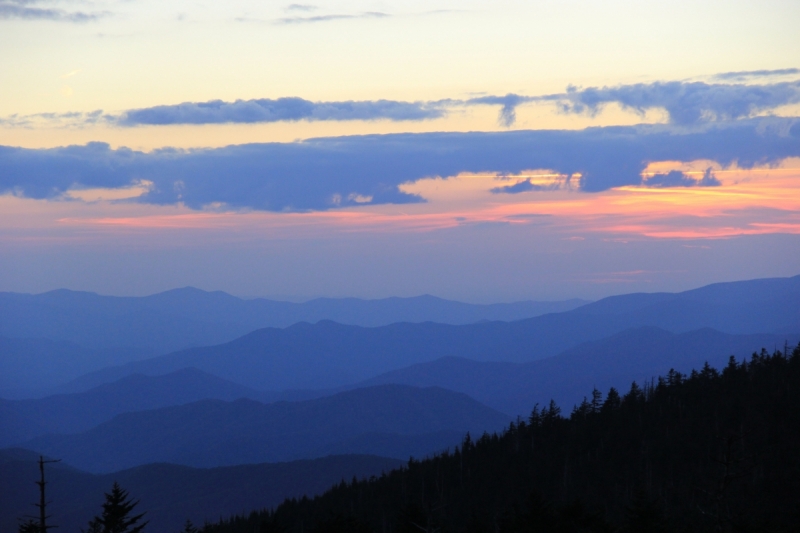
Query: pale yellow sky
pixel 146 53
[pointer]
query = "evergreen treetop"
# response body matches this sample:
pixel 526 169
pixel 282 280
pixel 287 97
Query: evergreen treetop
pixel 116 517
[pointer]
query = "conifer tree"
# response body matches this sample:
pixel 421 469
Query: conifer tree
pixel 597 401
pixel 116 517
pixel 612 401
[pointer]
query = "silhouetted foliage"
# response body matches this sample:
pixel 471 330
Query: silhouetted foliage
pixel 712 451
pixel 188 527
pixel 116 516
pixel 29 526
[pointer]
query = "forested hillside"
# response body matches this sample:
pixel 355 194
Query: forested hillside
pixel 711 451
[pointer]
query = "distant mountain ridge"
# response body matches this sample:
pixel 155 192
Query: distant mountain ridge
pixel 329 355
pixel 769 305
pixel 49 339
pixel 181 318
pixel 218 433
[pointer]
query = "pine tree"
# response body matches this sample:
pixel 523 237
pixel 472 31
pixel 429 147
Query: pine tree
pixel 116 517
pixel 612 401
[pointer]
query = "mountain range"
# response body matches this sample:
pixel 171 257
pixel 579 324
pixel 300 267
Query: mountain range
pixel 313 390
pixel 180 318
pixel 329 355
pixel 49 339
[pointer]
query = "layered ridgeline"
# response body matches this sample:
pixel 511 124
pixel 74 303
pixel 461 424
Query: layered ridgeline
pixel 635 354
pixel 39 332
pixel 389 420
pixel 21 420
pixel 329 355
pixel 183 317
pixel 170 494
pixel 713 451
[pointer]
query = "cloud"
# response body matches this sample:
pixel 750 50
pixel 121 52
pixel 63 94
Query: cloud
pixel 686 102
pixel 301 7
pixel 328 18
pixel 322 174
pixel 509 103
pixel 745 75
pixel 281 109
pixel 20 10
pixel 525 186
pixel 676 178
pixel 70 119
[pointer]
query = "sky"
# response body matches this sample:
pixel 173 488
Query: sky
pixel 474 150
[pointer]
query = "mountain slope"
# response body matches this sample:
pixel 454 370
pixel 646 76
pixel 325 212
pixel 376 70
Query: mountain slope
pixel 218 433
pixel 637 354
pixel 170 494
pixel 753 306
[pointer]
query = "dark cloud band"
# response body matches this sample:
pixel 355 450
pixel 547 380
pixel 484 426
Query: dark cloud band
pixel 744 75
pixel 281 109
pixel 687 103
pixel 327 173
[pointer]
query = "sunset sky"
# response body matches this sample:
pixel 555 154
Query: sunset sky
pixel 474 150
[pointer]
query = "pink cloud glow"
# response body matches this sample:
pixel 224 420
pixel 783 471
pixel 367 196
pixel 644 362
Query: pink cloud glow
pixel 748 202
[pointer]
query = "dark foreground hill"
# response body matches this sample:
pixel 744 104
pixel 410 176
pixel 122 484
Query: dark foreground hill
pixel 171 494
pixel 637 354
pixel 327 354
pixel 390 420
pixel 713 451
pixel 21 420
